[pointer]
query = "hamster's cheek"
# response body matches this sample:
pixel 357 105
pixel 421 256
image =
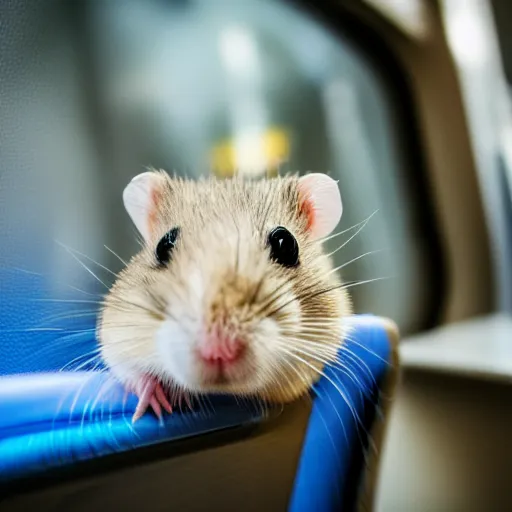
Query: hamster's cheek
pixel 126 341
pixel 289 316
pixel 266 347
pixel 273 341
pixel 266 334
pixel 175 349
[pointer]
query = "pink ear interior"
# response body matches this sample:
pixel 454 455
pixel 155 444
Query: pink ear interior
pixel 140 199
pixel 321 203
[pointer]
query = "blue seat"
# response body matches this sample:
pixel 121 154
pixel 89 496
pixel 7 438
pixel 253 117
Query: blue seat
pixel 55 420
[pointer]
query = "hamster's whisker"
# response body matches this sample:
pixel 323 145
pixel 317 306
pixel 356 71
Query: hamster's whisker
pixel 366 281
pixel 324 342
pixel 116 255
pixel 70 316
pixel 326 356
pixel 106 386
pixel 371 352
pixel 293 350
pixel 83 265
pixel 59 408
pixel 205 404
pixel 339 364
pixel 334 444
pixel 318 320
pixel 322 397
pixel 75 332
pixel 320 357
pixel 22 270
pixel 326 359
pixel 369 396
pixel 31 329
pixel 129 342
pixel 359 362
pixel 344 244
pixel 275 369
pixel 84 411
pixel 359 424
pixel 88 258
pixel 321 318
pixel 122 301
pixel 90 294
pixel 330 237
pixel 74 403
pixel 306 296
pixel 58 344
pixel 68 301
pixel 342 394
pixel 56 281
pixel 320 338
pixel 271 297
pixel 325 326
pixel 94 352
pixel 325 330
pixel 96 358
pixel 311 329
pixel 346 264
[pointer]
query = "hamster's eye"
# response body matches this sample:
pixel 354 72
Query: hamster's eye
pixel 284 249
pixel 166 246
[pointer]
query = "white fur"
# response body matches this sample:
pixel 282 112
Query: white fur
pixel 175 350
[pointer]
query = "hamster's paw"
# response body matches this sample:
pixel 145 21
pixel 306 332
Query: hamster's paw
pixel 151 394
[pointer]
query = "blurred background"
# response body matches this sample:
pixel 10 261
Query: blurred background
pixel 406 103
pixel 97 91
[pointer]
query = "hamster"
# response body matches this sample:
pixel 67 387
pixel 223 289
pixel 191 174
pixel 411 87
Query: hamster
pixel 231 291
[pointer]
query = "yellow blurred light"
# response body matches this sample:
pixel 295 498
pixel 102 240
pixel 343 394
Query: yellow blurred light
pixel 272 146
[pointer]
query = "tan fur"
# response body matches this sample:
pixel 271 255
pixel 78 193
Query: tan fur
pixel 220 261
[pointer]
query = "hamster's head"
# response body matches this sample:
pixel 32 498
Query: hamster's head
pixel 231 292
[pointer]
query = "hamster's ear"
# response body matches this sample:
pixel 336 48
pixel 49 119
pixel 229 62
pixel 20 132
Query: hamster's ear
pixel 141 197
pixel 320 201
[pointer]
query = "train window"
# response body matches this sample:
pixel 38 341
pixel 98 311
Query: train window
pixel 193 87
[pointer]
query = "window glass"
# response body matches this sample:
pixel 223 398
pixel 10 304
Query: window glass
pixel 193 87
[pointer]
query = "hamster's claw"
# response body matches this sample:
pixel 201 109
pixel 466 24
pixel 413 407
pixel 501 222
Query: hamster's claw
pixel 150 393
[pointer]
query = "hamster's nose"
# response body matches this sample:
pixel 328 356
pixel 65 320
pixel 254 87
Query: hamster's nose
pixel 222 351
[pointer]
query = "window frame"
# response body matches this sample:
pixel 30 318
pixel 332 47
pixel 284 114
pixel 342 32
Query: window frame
pixel 441 151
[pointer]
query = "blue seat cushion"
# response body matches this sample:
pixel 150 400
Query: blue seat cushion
pixel 56 420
